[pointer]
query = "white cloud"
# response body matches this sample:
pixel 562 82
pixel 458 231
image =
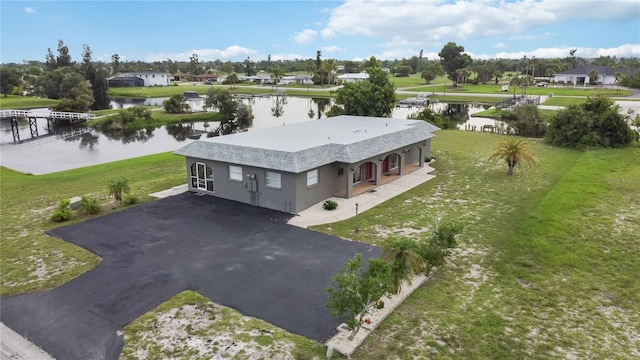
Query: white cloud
pixel 276 57
pixel 332 48
pixel 233 52
pixel 626 50
pixel 499 45
pixel 305 36
pixel 29 10
pixel 327 33
pixel 438 21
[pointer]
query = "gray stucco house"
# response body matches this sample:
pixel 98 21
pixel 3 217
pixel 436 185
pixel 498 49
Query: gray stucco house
pixel 291 167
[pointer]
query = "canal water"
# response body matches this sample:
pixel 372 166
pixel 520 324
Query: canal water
pixel 54 152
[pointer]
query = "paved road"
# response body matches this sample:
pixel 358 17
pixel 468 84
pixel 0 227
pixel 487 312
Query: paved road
pixel 240 256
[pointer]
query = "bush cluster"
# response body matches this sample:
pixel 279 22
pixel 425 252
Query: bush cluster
pixel 90 206
pixel 597 122
pixel 125 119
pixel 63 212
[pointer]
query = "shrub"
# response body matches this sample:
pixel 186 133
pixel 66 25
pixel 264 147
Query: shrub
pixel 63 212
pixel 90 205
pixel 431 254
pixel 330 205
pixel 131 199
pixel 596 122
pixel 445 235
pixel 118 188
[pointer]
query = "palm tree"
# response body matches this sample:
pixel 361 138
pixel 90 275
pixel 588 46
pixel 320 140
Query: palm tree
pixel 118 188
pixel 618 75
pixel 593 76
pixel 514 152
pixel 402 253
pixel 276 74
pixel 550 72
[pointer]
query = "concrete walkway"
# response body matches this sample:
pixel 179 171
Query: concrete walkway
pixel 316 214
pixel 13 347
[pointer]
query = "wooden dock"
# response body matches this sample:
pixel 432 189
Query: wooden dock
pixel 52 117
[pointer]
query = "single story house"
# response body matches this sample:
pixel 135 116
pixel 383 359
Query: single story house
pixel 258 79
pixel 206 78
pixel 194 100
pixel 125 81
pixel 580 75
pixel 139 79
pixel 291 167
pixel 296 79
pixel 153 78
pixel 353 77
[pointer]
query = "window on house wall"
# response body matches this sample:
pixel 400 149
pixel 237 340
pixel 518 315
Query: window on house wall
pixel 312 177
pixel 235 173
pixel 273 180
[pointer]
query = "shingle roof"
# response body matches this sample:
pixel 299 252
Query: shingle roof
pixel 304 146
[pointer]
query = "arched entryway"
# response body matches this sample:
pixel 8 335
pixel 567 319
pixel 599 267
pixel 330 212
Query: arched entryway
pixel 364 177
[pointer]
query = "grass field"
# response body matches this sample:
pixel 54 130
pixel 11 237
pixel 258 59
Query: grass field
pixel 24 102
pixel 547 263
pixel 558 91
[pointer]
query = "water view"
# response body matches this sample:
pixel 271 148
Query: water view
pixel 60 150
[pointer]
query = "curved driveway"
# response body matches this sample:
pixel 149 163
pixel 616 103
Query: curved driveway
pixel 239 256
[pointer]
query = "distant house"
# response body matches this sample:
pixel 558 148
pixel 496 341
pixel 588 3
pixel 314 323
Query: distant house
pixel 195 101
pixel 296 79
pixel 289 168
pixel 206 78
pixel 580 75
pixel 153 78
pixel 125 81
pixel 258 79
pixel 353 77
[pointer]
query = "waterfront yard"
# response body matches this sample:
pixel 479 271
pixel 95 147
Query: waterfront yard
pixel 546 267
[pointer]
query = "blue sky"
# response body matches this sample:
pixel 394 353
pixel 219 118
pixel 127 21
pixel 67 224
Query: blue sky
pixel 344 30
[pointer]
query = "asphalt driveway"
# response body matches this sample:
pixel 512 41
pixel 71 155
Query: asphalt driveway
pixel 239 256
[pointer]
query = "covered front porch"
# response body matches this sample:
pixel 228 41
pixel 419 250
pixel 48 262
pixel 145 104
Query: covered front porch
pixel 366 176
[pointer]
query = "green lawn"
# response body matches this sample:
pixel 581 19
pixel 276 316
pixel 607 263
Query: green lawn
pixel 24 102
pixel 547 264
pixel 32 260
pixel 166 91
pixel 560 91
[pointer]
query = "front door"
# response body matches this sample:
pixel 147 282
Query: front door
pixel 201 177
pixel 368 171
pixel 201 171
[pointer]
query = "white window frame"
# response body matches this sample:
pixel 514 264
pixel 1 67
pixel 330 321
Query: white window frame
pixel 313 178
pixel 273 180
pixel 235 173
pixel 201 176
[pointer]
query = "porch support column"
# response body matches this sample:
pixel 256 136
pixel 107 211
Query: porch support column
pixel 349 181
pixel 403 161
pixel 379 172
pixel 421 155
